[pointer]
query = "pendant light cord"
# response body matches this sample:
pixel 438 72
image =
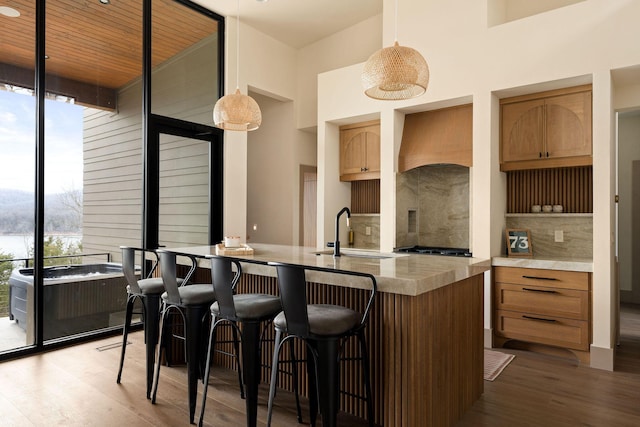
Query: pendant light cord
pixel 395 34
pixel 238 48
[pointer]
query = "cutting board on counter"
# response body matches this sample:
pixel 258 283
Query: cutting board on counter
pixel 243 249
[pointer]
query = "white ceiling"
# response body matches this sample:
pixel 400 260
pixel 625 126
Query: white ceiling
pixel 297 23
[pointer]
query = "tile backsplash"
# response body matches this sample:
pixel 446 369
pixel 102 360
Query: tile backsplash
pixel 432 206
pixel 361 224
pixel 576 230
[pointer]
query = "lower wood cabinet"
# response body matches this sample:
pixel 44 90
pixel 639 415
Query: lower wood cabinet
pixel 550 307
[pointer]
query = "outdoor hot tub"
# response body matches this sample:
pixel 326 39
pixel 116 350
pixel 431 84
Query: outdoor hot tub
pixel 77 298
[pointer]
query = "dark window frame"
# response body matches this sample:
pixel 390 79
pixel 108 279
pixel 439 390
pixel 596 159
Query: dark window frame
pixel 150 124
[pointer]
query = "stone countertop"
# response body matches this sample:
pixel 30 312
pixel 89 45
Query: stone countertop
pixel 405 274
pixel 568 264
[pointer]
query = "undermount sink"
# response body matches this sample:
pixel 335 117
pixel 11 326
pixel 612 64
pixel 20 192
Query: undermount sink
pixel 358 254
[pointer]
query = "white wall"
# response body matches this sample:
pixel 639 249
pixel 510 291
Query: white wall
pixel 576 44
pixel 267 67
pixel 275 152
pixel 262 167
pixel 350 46
pixel 629 151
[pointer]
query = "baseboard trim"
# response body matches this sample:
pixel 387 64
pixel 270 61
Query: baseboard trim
pixel 488 338
pixel 602 358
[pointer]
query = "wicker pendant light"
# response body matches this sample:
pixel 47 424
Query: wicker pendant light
pixel 396 72
pixel 237 111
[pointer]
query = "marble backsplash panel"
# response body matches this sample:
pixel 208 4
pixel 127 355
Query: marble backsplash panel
pixel 432 206
pixel 359 224
pixel 577 230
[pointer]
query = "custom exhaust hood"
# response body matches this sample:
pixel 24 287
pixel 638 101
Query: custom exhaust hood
pixel 432 186
pixel 437 137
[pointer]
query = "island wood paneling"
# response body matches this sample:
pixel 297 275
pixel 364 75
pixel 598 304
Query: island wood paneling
pixel 570 187
pixel 426 352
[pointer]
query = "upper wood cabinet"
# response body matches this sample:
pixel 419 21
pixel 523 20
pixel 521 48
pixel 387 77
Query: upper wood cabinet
pixel 545 130
pixel 360 151
pixel 437 136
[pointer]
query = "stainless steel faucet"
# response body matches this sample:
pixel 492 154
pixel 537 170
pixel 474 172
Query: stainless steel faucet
pixel 336 242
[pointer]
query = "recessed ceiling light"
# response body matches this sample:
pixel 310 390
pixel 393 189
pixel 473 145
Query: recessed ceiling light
pixel 105 1
pixel 9 11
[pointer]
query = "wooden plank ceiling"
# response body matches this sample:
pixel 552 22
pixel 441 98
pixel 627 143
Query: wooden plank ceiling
pixel 96 44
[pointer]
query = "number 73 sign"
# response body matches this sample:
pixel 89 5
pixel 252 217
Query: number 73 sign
pixel 519 242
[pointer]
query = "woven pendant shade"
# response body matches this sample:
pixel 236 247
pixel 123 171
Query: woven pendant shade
pixel 395 73
pixel 237 112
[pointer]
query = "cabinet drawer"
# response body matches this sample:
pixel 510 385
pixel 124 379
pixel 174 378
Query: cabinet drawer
pixel 567 303
pixel 578 280
pixel 567 333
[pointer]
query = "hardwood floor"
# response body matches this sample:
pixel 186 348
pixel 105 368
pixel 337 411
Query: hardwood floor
pixel 541 390
pixel 76 386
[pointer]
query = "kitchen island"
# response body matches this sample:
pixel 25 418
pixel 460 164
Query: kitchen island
pixel 425 332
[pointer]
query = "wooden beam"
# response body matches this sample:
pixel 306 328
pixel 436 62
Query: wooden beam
pixel 85 94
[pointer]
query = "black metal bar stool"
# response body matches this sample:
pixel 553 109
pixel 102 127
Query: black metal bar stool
pixel 192 302
pixel 253 312
pixel 323 328
pixel 148 291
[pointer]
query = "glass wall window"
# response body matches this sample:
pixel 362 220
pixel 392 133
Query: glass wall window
pixel 184 84
pixel 95 155
pixel 93 160
pixel 185 63
pixel 17 174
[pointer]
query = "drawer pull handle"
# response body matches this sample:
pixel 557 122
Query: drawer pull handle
pixel 546 291
pixel 539 278
pixel 541 319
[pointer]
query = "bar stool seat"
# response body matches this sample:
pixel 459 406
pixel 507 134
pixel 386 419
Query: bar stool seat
pixel 193 294
pixel 325 320
pixel 249 310
pixel 252 306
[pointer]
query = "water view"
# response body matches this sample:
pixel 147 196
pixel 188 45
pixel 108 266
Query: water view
pixel 19 245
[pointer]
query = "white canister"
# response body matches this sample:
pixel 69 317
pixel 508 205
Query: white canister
pixel 547 208
pixel 557 208
pixel 535 208
pixel 231 242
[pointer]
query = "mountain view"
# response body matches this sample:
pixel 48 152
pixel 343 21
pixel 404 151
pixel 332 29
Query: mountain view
pixel 63 212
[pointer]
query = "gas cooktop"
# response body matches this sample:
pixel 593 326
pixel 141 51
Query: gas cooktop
pixel 434 250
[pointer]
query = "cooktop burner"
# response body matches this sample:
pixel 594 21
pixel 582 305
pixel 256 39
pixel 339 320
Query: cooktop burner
pixel 434 250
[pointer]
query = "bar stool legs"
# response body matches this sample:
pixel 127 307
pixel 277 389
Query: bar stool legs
pixel 151 318
pixel 151 334
pixel 131 299
pixel 193 324
pixel 327 363
pixel 207 367
pixel 311 373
